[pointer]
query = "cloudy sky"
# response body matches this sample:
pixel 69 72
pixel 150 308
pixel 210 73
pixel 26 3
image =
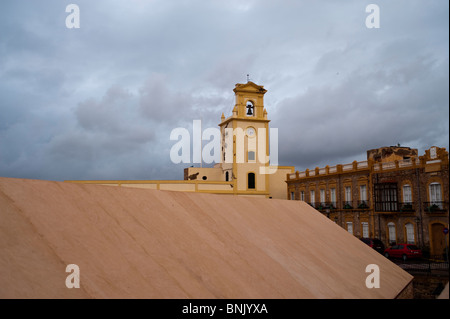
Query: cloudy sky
pixel 100 101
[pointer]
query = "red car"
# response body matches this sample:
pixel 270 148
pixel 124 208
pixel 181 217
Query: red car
pixel 404 251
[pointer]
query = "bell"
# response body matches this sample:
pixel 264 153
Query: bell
pixel 249 110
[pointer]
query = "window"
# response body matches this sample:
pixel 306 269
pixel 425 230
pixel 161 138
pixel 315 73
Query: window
pixel 433 152
pixel 302 195
pixel 227 176
pixel 322 197
pixel 348 194
pixel 386 197
pixel 392 235
pixel 407 196
pixel 350 227
pixel 363 193
pixel 292 196
pixel 348 197
pixel 435 194
pixel 365 229
pixel 333 196
pixel 251 156
pixel 312 197
pixel 410 238
pixel 251 181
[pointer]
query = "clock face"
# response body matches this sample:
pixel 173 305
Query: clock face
pixel 251 132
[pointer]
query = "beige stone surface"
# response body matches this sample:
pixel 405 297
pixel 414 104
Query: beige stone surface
pixel 142 243
pixel 444 293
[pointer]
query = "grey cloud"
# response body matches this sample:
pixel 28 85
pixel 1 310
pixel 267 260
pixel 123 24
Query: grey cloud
pixel 100 101
pixel 104 127
pixel 384 110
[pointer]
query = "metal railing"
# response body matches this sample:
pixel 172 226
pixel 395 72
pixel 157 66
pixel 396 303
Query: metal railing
pixel 437 263
pixel 347 204
pixel 363 204
pixel 407 207
pixel 323 206
pixel 436 207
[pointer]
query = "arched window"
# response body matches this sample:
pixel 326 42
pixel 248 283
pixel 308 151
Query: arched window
pixel 410 236
pixel 350 227
pixel 251 181
pixel 435 194
pixel 312 197
pixel 407 195
pixel 392 239
pixel 365 229
pixel 333 197
pixel 322 197
pixel 348 197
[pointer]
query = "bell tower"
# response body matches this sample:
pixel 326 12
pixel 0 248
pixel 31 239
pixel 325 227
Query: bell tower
pixel 249 101
pixel 245 141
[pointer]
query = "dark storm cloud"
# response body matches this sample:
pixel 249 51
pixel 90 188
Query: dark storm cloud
pixel 104 130
pixel 401 103
pixel 100 102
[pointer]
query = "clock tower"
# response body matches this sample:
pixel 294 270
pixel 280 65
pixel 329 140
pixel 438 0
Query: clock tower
pixel 245 142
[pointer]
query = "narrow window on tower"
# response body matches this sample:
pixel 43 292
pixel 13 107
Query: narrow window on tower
pixel 251 156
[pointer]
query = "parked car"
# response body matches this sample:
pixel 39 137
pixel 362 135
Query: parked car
pixel 374 243
pixel 404 251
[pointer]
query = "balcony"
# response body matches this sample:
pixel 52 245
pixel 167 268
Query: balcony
pixel 438 207
pixel 407 207
pixel 323 206
pixel 347 205
pixel 387 207
pixel 363 204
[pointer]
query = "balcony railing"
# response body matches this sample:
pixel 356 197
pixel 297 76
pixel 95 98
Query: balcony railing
pixel 324 206
pixel 394 207
pixel 407 207
pixel 363 204
pixel 436 207
pixel 387 206
pixel 410 207
pixel 347 204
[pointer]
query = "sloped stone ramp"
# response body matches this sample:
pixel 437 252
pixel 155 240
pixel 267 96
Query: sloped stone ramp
pixel 137 243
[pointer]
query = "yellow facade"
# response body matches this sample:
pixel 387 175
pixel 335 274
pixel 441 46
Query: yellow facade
pixel 244 169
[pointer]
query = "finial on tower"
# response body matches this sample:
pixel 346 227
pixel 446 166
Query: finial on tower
pixel 248 77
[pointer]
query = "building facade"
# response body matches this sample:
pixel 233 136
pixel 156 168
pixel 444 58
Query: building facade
pixel 396 196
